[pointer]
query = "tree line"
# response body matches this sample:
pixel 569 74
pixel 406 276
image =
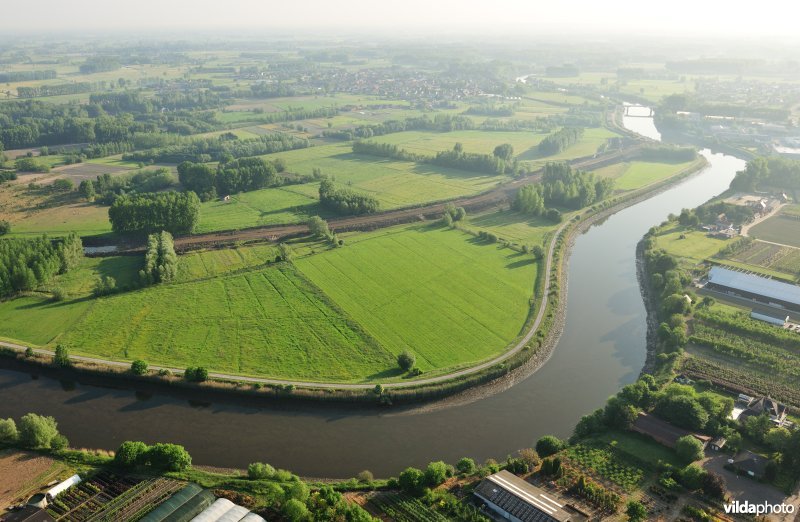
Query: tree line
pixel 345 201
pixel 26 76
pixel 497 163
pixel 562 186
pixel 560 140
pixel 771 172
pixel 175 212
pixel 105 188
pixel 241 175
pixel 220 148
pixel 56 90
pixel 439 123
pixel 28 263
pixel 160 260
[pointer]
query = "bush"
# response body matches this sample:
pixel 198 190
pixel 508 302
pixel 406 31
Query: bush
pixel 59 442
pixel 412 481
pixel 139 367
pixel 689 449
pixel 198 374
pixel 63 185
pixel 365 476
pixel 548 445
pixel 169 457
pixel 260 470
pixel 295 510
pixel 691 477
pixel 8 431
pixel 61 357
pixel 466 466
pixel 37 431
pixel 5 227
pixel 406 360
pixel 130 454
pixel 436 473
pixel 636 511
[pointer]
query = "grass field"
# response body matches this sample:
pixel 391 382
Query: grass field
pixel 212 263
pixel 591 141
pixel 437 292
pixel 778 229
pixel 270 322
pixel 38 320
pixel 512 226
pixel 429 143
pixel 638 174
pixel 695 245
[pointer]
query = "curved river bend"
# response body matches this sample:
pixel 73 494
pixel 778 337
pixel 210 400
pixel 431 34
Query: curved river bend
pixel 602 348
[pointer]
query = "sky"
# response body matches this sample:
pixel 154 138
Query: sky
pixel 731 18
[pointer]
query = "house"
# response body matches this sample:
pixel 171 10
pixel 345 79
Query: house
pixel 718 443
pixel 750 463
pixel 777 412
pixel 662 431
pixel 515 499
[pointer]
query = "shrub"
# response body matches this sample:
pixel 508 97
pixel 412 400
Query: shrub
pixel 5 227
pixel 636 511
pixel 295 510
pixel 412 481
pixel 689 449
pixel 198 374
pixel 691 477
pixel 37 431
pixel 8 431
pixel 139 367
pixel 406 360
pixel 365 476
pixel 61 357
pixel 466 466
pixel 436 473
pixel 130 454
pixel 59 442
pixel 29 352
pixel 548 445
pixel 260 470
pixel 169 457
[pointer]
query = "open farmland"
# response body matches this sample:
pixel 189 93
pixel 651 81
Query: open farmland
pixel 270 323
pixel 448 298
pixel 637 174
pixel 429 143
pixel 778 229
pixel 513 226
pixel 592 140
pixel 692 245
pixel 212 263
pixel 785 260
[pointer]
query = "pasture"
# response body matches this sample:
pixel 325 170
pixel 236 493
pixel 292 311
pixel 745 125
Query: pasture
pixel 783 229
pixel 592 139
pixel 271 322
pixel 440 293
pixel 637 174
pixel 513 226
pixel 212 263
pixel 483 142
pixel 688 243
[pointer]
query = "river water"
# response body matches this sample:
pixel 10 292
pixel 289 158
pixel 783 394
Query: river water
pixel 602 348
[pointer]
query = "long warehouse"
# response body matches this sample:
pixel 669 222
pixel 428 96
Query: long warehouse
pixel 757 288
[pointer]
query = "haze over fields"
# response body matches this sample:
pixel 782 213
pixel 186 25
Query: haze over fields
pixel 771 19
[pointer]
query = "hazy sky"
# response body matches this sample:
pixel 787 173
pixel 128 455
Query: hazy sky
pixel 391 17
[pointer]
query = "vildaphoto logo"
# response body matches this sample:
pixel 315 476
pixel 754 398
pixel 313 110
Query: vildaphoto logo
pixel 764 508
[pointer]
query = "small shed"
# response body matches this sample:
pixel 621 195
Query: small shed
pixel 718 443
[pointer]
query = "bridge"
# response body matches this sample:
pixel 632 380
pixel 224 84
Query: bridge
pixel 650 112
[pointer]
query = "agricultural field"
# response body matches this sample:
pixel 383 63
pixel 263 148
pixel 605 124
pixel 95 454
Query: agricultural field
pixel 270 322
pixel 593 139
pixel 637 174
pixel 404 508
pixel 513 226
pixel 783 261
pixel 482 142
pixel 394 183
pixel 783 229
pixel 690 244
pixel 213 263
pixel 38 320
pixel 602 462
pixel 449 298
pixel 23 473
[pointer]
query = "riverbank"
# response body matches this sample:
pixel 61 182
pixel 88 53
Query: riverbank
pixel 529 352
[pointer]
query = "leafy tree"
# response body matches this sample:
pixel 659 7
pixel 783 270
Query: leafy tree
pixel 777 438
pixel 412 480
pixel 260 470
pixel 86 190
pixel 619 414
pixel 682 411
pixel 37 431
pixel 691 477
pixel 168 457
pixel 196 374
pixel 714 486
pixel 466 466
pixel 160 261
pixel 61 357
pixel 365 476
pixel 8 431
pixel 548 445
pixel 5 227
pixel 318 227
pixel 298 490
pixel 139 367
pixel 436 473
pixel 406 360
pixel 758 426
pixel 59 442
pixel 504 152
pixel 296 511
pixel 174 212
pixel 130 454
pixel 689 448
pixel 63 185
pixel 636 511
pixel 104 286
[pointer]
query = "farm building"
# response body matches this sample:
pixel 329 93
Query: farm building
pixel 223 510
pixel 519 501
pixel 777 320
pixel 750 463
pixel 757 288
pixel 662 431
pixel 183 505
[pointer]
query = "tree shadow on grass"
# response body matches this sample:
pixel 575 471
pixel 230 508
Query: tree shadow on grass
pixel 386 374
pixel 522 262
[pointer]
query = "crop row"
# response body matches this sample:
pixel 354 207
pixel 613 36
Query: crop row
pixel 602 462
pixel 403 508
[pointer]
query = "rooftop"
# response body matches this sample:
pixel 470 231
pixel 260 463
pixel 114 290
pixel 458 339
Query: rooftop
pixel 755 284
pixel 521 499
pixel 662 431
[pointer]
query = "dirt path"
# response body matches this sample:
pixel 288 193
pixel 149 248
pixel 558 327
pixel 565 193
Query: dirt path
pixel 746 228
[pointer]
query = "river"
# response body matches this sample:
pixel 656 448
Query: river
pixel 602 348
